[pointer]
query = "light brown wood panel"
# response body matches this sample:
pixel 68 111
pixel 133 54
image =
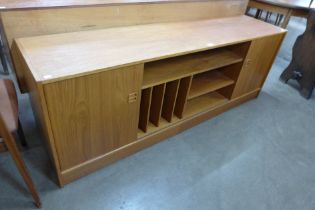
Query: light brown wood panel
pixel 26 23
pixel 182 96
pixel 233 72
pixel 91 115
pixel 152 128
pixel 156 104
pixel 203 103
pixel 293 4
pixel 81 53
pixel 239 49
pixel 87 82
pixel 36 22
pixel 19 63
pixel 152 138
pixel 208 82
pixel 169 100
pixel 47 4
pixel 146 95
pixel 40 111
pixel 182 66
pixel 257 64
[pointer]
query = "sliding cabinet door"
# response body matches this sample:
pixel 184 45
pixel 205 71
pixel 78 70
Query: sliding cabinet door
pixel 257 64
pixel 94 114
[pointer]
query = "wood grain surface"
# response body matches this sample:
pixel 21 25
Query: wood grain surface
pixel 55 57
pixel 91 116
pixel 45 4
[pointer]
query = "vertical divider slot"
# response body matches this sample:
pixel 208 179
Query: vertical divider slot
pixel 170 96
pixel 156 104
pixel 182 95
pixel 146 96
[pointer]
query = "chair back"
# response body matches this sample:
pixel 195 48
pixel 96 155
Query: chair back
pixel 8 104
pixel 3 132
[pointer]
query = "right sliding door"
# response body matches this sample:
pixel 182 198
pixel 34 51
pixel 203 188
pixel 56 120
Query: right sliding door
pixel 257 64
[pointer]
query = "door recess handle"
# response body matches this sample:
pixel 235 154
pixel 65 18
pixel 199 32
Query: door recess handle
pixel 248 62
pixel 132 97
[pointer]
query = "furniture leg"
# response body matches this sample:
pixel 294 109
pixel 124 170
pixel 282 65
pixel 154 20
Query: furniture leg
pixel 3 148
pixel 277 19
pixel 247 10
pixel 21 135
pixel 3 59
pixel 260 13
pixel 12 147
pixel 257 15
pixel 307 86
pixel 280 19
pixel 288 73
pixel 286 19
pixel 306 92
pixel 266 18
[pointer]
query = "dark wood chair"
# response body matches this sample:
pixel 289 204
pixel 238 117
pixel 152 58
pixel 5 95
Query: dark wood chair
pixel 302 65
pixel 9 125
pixel 2 56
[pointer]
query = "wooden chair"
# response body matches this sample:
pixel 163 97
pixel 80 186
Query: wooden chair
pixel 302 65
pixel 9 124
pixel 3 57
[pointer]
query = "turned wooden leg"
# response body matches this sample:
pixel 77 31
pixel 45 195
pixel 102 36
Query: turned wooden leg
pixel 306 92
pixel 277 19
pixel 307 86
pixel 288 73
pixel 280 19
pixel 258 13
pixel 3 58
pixel 21 135
pixel 12 147
pixel 247 10
pixel 286 19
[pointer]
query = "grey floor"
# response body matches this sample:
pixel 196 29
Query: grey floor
pixel 257 156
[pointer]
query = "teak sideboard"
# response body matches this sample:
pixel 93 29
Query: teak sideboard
pixel 101 95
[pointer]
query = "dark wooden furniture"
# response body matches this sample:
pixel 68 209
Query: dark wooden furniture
pixel 285 8
pixel 3 58
pixel 8 125
pixel 302 66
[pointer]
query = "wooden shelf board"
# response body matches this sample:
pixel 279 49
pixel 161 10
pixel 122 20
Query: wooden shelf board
pixel 178 67
pixel 152 128
pixel 208 82
pixel 203 103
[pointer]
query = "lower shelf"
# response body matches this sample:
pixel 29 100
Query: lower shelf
pixel 208 82
pixel 152 128
pixel 194 106
pixel 203 103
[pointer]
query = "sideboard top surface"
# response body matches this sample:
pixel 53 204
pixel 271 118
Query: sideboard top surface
pixel 55 57
pixel 44 4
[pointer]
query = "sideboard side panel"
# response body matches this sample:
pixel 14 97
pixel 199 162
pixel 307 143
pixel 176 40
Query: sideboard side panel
pixel 38 103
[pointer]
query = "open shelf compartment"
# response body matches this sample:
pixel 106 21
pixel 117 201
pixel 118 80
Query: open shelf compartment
pixel 170 69
pixel 208 82
pixel 204 103
pixel 180 87
pixel 162 105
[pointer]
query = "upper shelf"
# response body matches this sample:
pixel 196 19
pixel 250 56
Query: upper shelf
pixel 174 68
pixel 59 56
